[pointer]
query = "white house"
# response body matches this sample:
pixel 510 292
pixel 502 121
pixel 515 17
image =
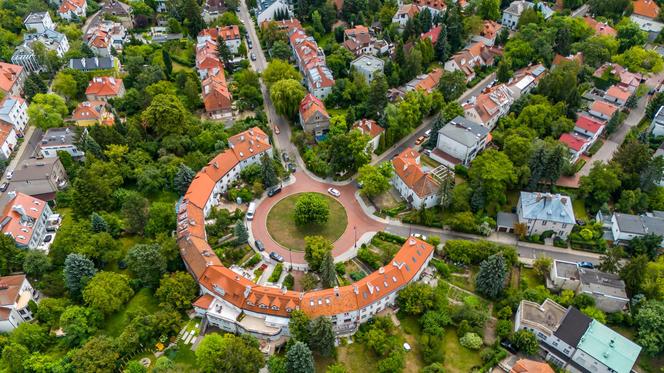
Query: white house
pixel 657 124
pixel 8 140
pixel 14 110
pixel 416 186
pixel 624 227
pixel 542 212
pixel 370 128
pixel 589 128
pixel 25 219
pixel 39 22
pixel 266 10
pixel 489 106
pixel 16 292
pixel 405 13
pixel 72 9
pixel 61 139
pixel 576 145
pixel 24 54
pixel 459 142
pixel 602 110
pixel 368 66
pixel 646 15
pixel 512 13
pixel 229 34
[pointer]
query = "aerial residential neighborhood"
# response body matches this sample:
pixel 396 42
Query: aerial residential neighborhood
pixel 332 186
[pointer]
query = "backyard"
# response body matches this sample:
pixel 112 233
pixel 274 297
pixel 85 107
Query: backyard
pixel 116 323
pixel 282 227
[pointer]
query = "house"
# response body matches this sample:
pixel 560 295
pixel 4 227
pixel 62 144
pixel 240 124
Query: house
pixel 530 366
pixel 25 56
pixel 624 227
pixel 311 61
pixel 490 31
pixel 370 128
pixel 120 11
pixel 72 9
pixel 646 15
pixel 477 54
pixel 513 12
pixel 64 139
pixel 212 9
pixel 313 116
pixel 436 7
pixel 359 40
pixel 524 80
pixel 39 178
pixel 542 212
pixel 91 113
pixel 25 219
pixel 229 34
pixel 207 59
pixel 459 142
pixel 16 292
pixel 217 98
pixel 267 10
pixel 560 59
pixel 602 110
pixel 161 34
pixel 576 145
pixel 39 22
pixel 657 125
pixel 161 6
pixel 601 28
pixel 607 289
pixel 618 95
pixel 426 83
pixel 589 128
pixel 418 187
pixel 88 64
pixel 404 13
pixel 626 79
pixel 105 36
pixel 12 78
pixel 573 341
pixel 103 88
pixel 432 34
pixel 14 111
pixel 368 66
pixel 489 106
pixel 8 140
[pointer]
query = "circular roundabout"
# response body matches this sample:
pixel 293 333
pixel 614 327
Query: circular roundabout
pixel 283 229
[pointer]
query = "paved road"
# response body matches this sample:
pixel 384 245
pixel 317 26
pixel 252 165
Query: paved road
pixel 261 63
pixel 26 150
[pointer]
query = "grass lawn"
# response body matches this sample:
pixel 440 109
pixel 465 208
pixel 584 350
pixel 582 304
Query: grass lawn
pixel 177 67
pixel 458 359
pixel 579 209
pixel 116 323
pixel 530 278
pixel 427 161
pixel 282 227
pixel 184 358
pixel 335 112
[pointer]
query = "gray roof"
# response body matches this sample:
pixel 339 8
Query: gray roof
pixel 464 131
pixel 506 219
pixel 35 169
pixel 594 281
pixel 35 17
pixel 659 116
pixel 654 225
pixel 573 326
pixel 630 223
pixel 60 136
pixel 368 62
pixel 547 206
pixel 517 7
pixel 565 269
pixel 50 35
pixel 94 63
pixel 34 188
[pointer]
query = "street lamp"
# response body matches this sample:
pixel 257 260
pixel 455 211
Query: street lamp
pixel 355 230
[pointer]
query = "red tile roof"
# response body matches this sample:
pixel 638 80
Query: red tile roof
pixel 88 110
pixel 490 29
pixel 618 92
pixel 203 301
pixel 368 127
pixel 23 212
pixel 216 96
pixel 645 8
pixel 435 4
pixel 530 366
pixel 71 6
pixel 310 105
pixel 573 142
pixel 9 295
pixel 407 166
pixel 432 34
pixel 104 86
pixel 600 28
pixel 9 75
pixel 226 32
pixel 604 108
pixel 589 124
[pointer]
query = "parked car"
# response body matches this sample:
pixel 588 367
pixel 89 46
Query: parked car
pixel 253 56
pixel 10 174
pixel 420 236
pixel 291 167
pixel 259 245
pixel 585 265
pixel 4 186
pixel 427 152
pixel 276 129
pixel 508 346
pixel 420 140
pixel 48 238
pixel 276 257
pixel 250 44
pixel 334 192
pixel 274 190
pixel 427 133
pixel 284 156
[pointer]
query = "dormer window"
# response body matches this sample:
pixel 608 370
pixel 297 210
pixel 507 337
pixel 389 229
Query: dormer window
pixel 275 308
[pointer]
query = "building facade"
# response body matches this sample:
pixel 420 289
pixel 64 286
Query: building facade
pixel 542 212
pixel 16 293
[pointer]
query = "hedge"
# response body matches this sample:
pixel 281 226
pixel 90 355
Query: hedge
pixel 389 237
pixel 276 274
pixel 474 252
pixel 253 261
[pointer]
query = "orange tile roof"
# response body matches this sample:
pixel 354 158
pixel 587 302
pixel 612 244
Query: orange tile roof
pixel 435 4
pixel 604 108
pixel 249 143
pixel 618 92
pixel 600 28
pixel 207 57
pixel 104 86
pixel 573 142
pixel 226 32
pixel 368 127
pixel 190 221
pixel 200 190
pixel 100 39
pixel 530 366
pixel 430 81
pixel 558 59
pixel 646 8
pixel 407 166
pixel 490 29
pixel 203 301
pixel 310 105
pixel 71 6
pixel 10 293
pixel 9 75
pixel 216 95
pixel 89 110
pixel 409 9
pixel 23 211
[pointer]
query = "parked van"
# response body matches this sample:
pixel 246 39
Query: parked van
pixel 251 210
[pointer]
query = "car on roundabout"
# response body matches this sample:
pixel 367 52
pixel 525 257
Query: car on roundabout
pixel 334 192
pixel 275 256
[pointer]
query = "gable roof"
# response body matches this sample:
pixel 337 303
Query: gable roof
pixel 645 8
pixel 368 127
pixel 586 123
pixel 9 75
pixel 464 131
pixel 71 6
pixel 310 105
pixel 601 28
pixel 573 326
pixel 104 86
pixel 9 293
pixel 546 206
pixel 20 216
pixel 225 32
pixel 603 108
pixel 432 34
pixel 88 110
pixel 409 10
pixel 408 168
pixel 618 92
pixel 434 4
pixel 531 366
pixel 573 142
pixel 249 143
pixel 216 95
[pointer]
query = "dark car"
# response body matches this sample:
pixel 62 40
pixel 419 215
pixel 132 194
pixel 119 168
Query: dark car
pixel 259 245
pixel 291 167
pixel 4 186
pixel 253 56
pixel 276 257
pixel 274 190
pixel 284 156
pixel 585 265
pixel 508 346
pixel 48 238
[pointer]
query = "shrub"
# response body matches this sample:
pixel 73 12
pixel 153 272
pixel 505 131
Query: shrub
pixel 289 281
pixel 357 276
pixel 471 341
pixel 442 268
pixel 276 274
pixel 389 237
pixel 504 328
pixel 253 261
pixel 369 257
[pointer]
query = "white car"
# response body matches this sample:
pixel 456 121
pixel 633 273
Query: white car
pixel 420 236
pixel 334 192
pixel 10 174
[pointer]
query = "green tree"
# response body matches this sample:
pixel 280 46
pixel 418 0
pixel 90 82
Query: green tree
pixel 650 327
pixel 79 323
pixel 276 364
pixel 146 263
pixel 315 250
pixel 611 260
pixel 629 34
pixel 452 85
pixel 490 279
pixel 163 365
pixel 13 357
pixel 278 70
pixel 47 110
pixel 328 273
pixel 268 172
pixel 78 270
pixel 229 353
pixel 489 9
pixel 597 187
pixel 161 219
pixel 135 211
pixel 286 95
pixel 65 85
pixel 93 187
pixel 97 223
pixel 471 341
pixel 504 72
pixel 335 368
pixel 377 97
pixel 177 290
pixel 183 178
pixel 107 292
pixel 241 234
pixel 375 180
pixel 33 86
pixel 311 208
pixel 322 336
pixel 49 311
pixel 595 313
pixel 526 342
pixel 640 60
pixel 415 298
pixel 348 151
pixel 36 263
pixel 97 355
pixel 300 326
pixel 33 336
pixel 165 116
pixel 299 359
pixel 490 176
pixel 542 266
